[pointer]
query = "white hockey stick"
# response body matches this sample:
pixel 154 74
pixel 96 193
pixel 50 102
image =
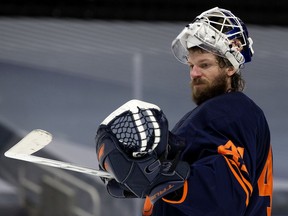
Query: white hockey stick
pixel 38 139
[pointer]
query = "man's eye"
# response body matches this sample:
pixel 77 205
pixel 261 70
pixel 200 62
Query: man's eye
pixel 204 65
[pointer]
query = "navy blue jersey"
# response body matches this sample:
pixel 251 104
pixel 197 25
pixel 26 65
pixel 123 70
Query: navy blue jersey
pixel 228 148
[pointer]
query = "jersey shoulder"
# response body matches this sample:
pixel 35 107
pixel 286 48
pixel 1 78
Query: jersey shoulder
pixel 233 105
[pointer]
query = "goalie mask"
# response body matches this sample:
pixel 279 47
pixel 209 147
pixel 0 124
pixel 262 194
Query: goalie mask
pixel 218 31
pixel 132 145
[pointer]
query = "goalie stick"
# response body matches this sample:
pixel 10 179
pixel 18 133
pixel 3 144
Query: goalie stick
pixel 35 141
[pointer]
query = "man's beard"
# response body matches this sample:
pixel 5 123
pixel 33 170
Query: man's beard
pixel 218 87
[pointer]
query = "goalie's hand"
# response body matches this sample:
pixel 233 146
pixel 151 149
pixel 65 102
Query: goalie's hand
pixel 132 145
pixel 149 176
pixel 163 185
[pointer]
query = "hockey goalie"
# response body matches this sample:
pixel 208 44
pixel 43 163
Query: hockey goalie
pixel 135 146
pixel 217 160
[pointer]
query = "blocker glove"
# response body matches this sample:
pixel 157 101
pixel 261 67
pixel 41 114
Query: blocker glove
pixel 134 145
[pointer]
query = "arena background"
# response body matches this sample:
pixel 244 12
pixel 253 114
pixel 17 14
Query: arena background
pixel 66 65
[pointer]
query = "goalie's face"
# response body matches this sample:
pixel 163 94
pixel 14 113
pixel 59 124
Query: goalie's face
pixel 208 79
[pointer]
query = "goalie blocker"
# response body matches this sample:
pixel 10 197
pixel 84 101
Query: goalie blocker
pixel 135 146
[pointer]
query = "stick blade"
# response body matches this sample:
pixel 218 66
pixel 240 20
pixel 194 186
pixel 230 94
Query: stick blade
pixel 38 139
pixel 31 143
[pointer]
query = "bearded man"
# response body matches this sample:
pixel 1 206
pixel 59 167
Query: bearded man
pixel 227 136
pixel 224 164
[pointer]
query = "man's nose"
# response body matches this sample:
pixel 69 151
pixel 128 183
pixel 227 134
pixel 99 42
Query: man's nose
pixel 195 72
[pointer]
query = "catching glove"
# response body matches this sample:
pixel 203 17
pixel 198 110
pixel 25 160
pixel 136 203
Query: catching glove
pixel 132 145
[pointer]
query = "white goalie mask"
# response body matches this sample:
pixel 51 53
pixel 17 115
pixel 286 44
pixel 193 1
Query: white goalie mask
pixel 218 31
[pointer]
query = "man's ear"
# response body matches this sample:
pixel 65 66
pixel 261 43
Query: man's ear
pixel 230 71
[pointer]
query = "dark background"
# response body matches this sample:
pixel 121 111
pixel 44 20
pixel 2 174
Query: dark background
pixel 252 12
